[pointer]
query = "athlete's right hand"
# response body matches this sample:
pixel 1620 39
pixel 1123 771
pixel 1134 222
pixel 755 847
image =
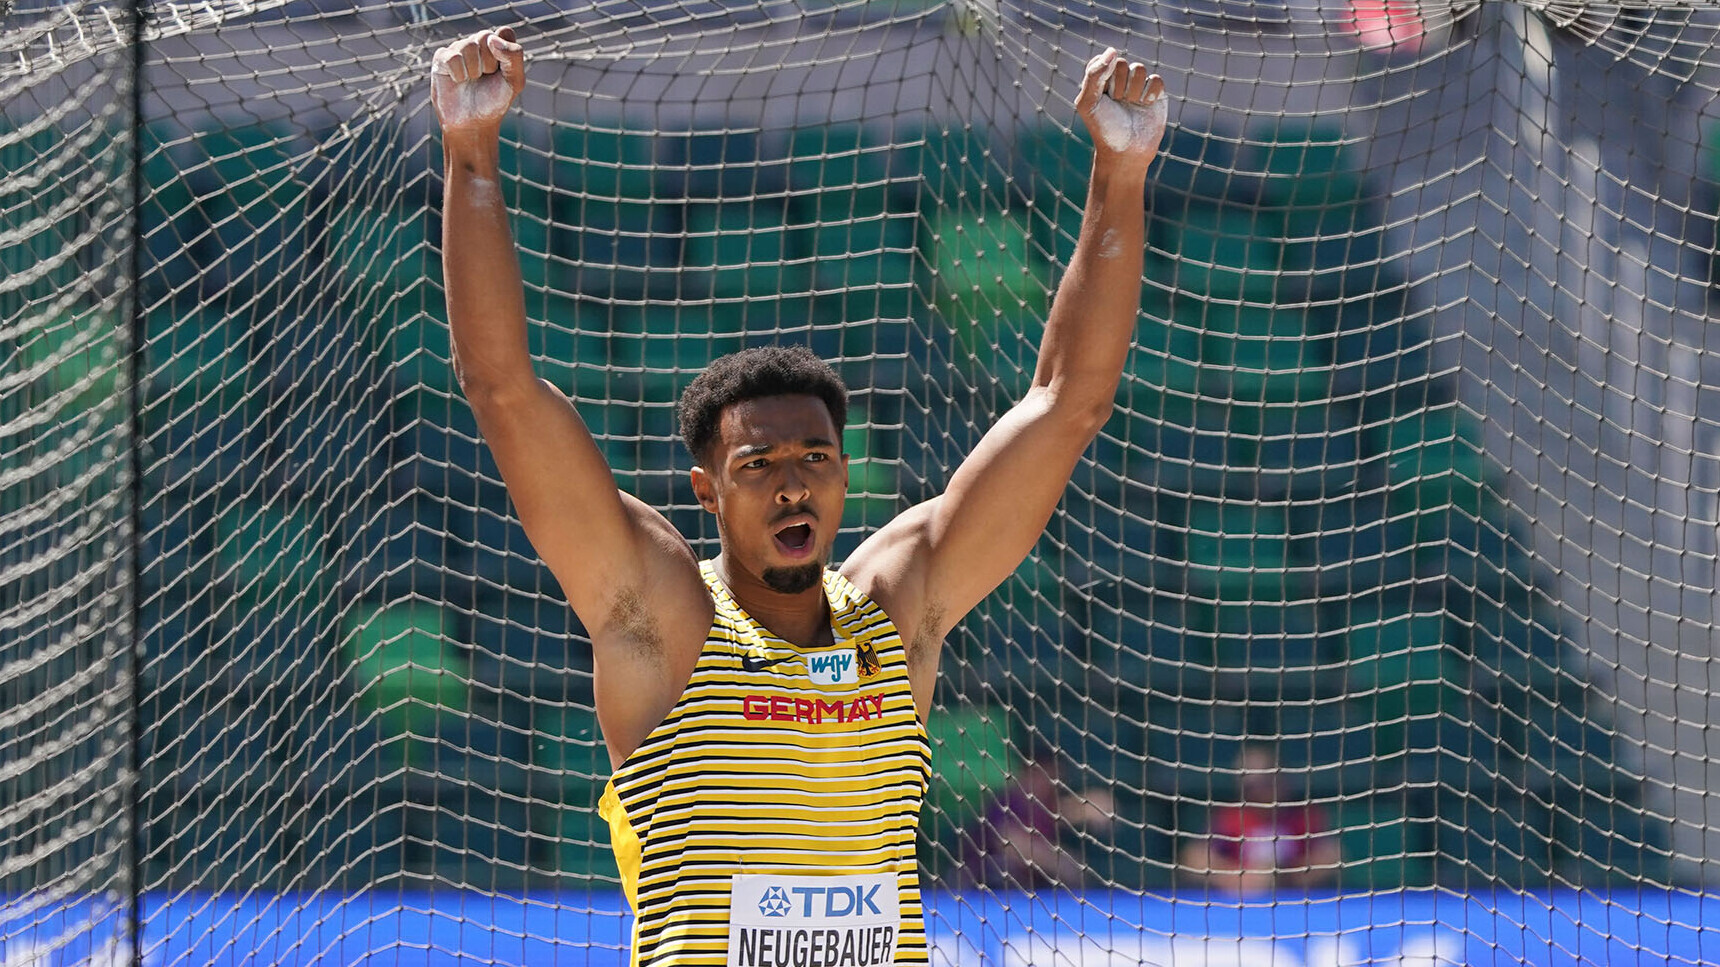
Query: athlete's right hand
pixel 474 79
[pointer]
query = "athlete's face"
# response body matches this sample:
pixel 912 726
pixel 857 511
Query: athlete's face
pixel 777 486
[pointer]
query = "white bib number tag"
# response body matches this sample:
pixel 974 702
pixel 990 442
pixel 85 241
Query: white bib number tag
pixel 813 921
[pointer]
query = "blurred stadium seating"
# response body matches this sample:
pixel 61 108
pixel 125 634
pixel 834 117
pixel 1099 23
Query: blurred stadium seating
pixel 1288 531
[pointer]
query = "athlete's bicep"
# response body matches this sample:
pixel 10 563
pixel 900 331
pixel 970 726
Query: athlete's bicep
pixel 598 542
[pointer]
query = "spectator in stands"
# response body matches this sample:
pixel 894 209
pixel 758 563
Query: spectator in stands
pixel 1264 841
pixel 1030 835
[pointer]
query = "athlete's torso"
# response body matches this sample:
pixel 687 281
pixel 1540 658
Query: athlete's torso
pixel 801 771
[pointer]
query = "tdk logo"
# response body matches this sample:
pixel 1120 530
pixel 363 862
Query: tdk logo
pixel 774 903
pixel 837 901
pixel 836 668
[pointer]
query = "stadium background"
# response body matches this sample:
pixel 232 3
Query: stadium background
pixel 1412 470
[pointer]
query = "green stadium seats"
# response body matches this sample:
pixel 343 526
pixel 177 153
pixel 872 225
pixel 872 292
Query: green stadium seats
pixel 659 347
pixel 1606 838
pixel 201 400
pixel 1334 232
pixel 993 290
pixel 1271 651
pixel 1298 450
pixel 193 838
pixel 254 186
pixel 1259 353
pixel 614 233
pixel 481 774
pixel 1383 355
pixel 488 548
pixel 1433 465
pixel 1166 353
pixel 1219 251
pixel 66 371
pixel 1358 548
pixel 741 249
pixel 1171 442
pixel 1141 645
pixel 351 836
pixel 1192 746
pixel 1307 166
pixel 435 446
pixel 617 247
pixel 1114 513
pixel 531 647
pixel 405 668
pixel 49 238
pixel 1498 838
pixel 573 842
pixel 569 768
pixel 1385 846
pixel 273 554
pixel 1328 740
pixel 382 235
pixel 415 346
pixel 172 541
pixel 530 195
pixel 1240 550
pixel 848 159
pixel 570 348
pixel 176 239
pixel 873 491
pixel 1051 164
pixel 1405 664
pixel 386 547
pixel 860 252
pixel 972 761
pixel 959 167
pixel 725 163
pixel 599 159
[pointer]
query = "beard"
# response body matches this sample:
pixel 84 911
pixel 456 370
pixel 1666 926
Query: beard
pixel 793 580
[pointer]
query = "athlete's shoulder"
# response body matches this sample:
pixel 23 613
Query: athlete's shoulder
pixel 889 569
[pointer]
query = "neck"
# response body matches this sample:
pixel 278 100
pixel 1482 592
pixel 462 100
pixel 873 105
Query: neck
pixel 801 619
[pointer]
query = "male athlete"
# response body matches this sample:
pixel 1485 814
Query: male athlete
pixel 764 714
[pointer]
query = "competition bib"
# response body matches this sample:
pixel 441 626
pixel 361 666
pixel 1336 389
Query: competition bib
pixel 813 921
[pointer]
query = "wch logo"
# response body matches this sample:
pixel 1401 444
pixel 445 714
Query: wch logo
pixel 836 668
pixel 774 903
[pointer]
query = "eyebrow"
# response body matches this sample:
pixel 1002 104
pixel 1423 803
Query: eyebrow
pixel 758 449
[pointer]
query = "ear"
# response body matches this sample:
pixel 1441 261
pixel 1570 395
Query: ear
pixel 847 475
pixel 704 488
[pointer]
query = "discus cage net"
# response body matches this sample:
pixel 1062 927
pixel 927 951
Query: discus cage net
pixel 1411 479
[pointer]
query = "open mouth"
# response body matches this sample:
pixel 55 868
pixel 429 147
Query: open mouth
pixel 796 538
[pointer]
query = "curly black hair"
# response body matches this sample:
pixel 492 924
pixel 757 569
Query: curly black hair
pixel 749 375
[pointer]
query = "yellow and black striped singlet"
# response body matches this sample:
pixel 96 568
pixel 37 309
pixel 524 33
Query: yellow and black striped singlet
pixel 776 760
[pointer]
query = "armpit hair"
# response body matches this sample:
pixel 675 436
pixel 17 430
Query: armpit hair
pixel 928 640
pixel 631 618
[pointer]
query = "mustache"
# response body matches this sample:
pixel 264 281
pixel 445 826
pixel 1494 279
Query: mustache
pixel 794 512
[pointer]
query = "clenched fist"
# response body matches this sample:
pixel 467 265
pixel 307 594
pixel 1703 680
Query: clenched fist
pixel 474 80
pixel 1125 108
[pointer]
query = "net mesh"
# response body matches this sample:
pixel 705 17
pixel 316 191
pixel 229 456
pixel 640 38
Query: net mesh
pixel 1408 502
pixel 67 547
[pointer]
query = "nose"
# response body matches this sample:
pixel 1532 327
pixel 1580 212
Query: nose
pixel 791 487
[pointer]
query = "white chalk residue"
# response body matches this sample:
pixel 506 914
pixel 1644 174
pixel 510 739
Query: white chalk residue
pixel 1124 126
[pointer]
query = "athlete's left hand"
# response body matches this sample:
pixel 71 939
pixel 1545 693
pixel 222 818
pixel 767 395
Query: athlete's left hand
pixel 1125 108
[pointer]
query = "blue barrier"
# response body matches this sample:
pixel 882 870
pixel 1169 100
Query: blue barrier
pixel 1417 928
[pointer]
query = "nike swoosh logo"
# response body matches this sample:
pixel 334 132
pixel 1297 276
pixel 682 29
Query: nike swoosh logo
pixel 754 663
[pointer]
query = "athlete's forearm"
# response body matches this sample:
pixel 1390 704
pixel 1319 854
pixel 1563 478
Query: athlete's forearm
pixel 1092 319
pixel 486 305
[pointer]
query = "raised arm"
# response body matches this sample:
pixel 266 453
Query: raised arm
pixel 605 547
pixel 933 564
